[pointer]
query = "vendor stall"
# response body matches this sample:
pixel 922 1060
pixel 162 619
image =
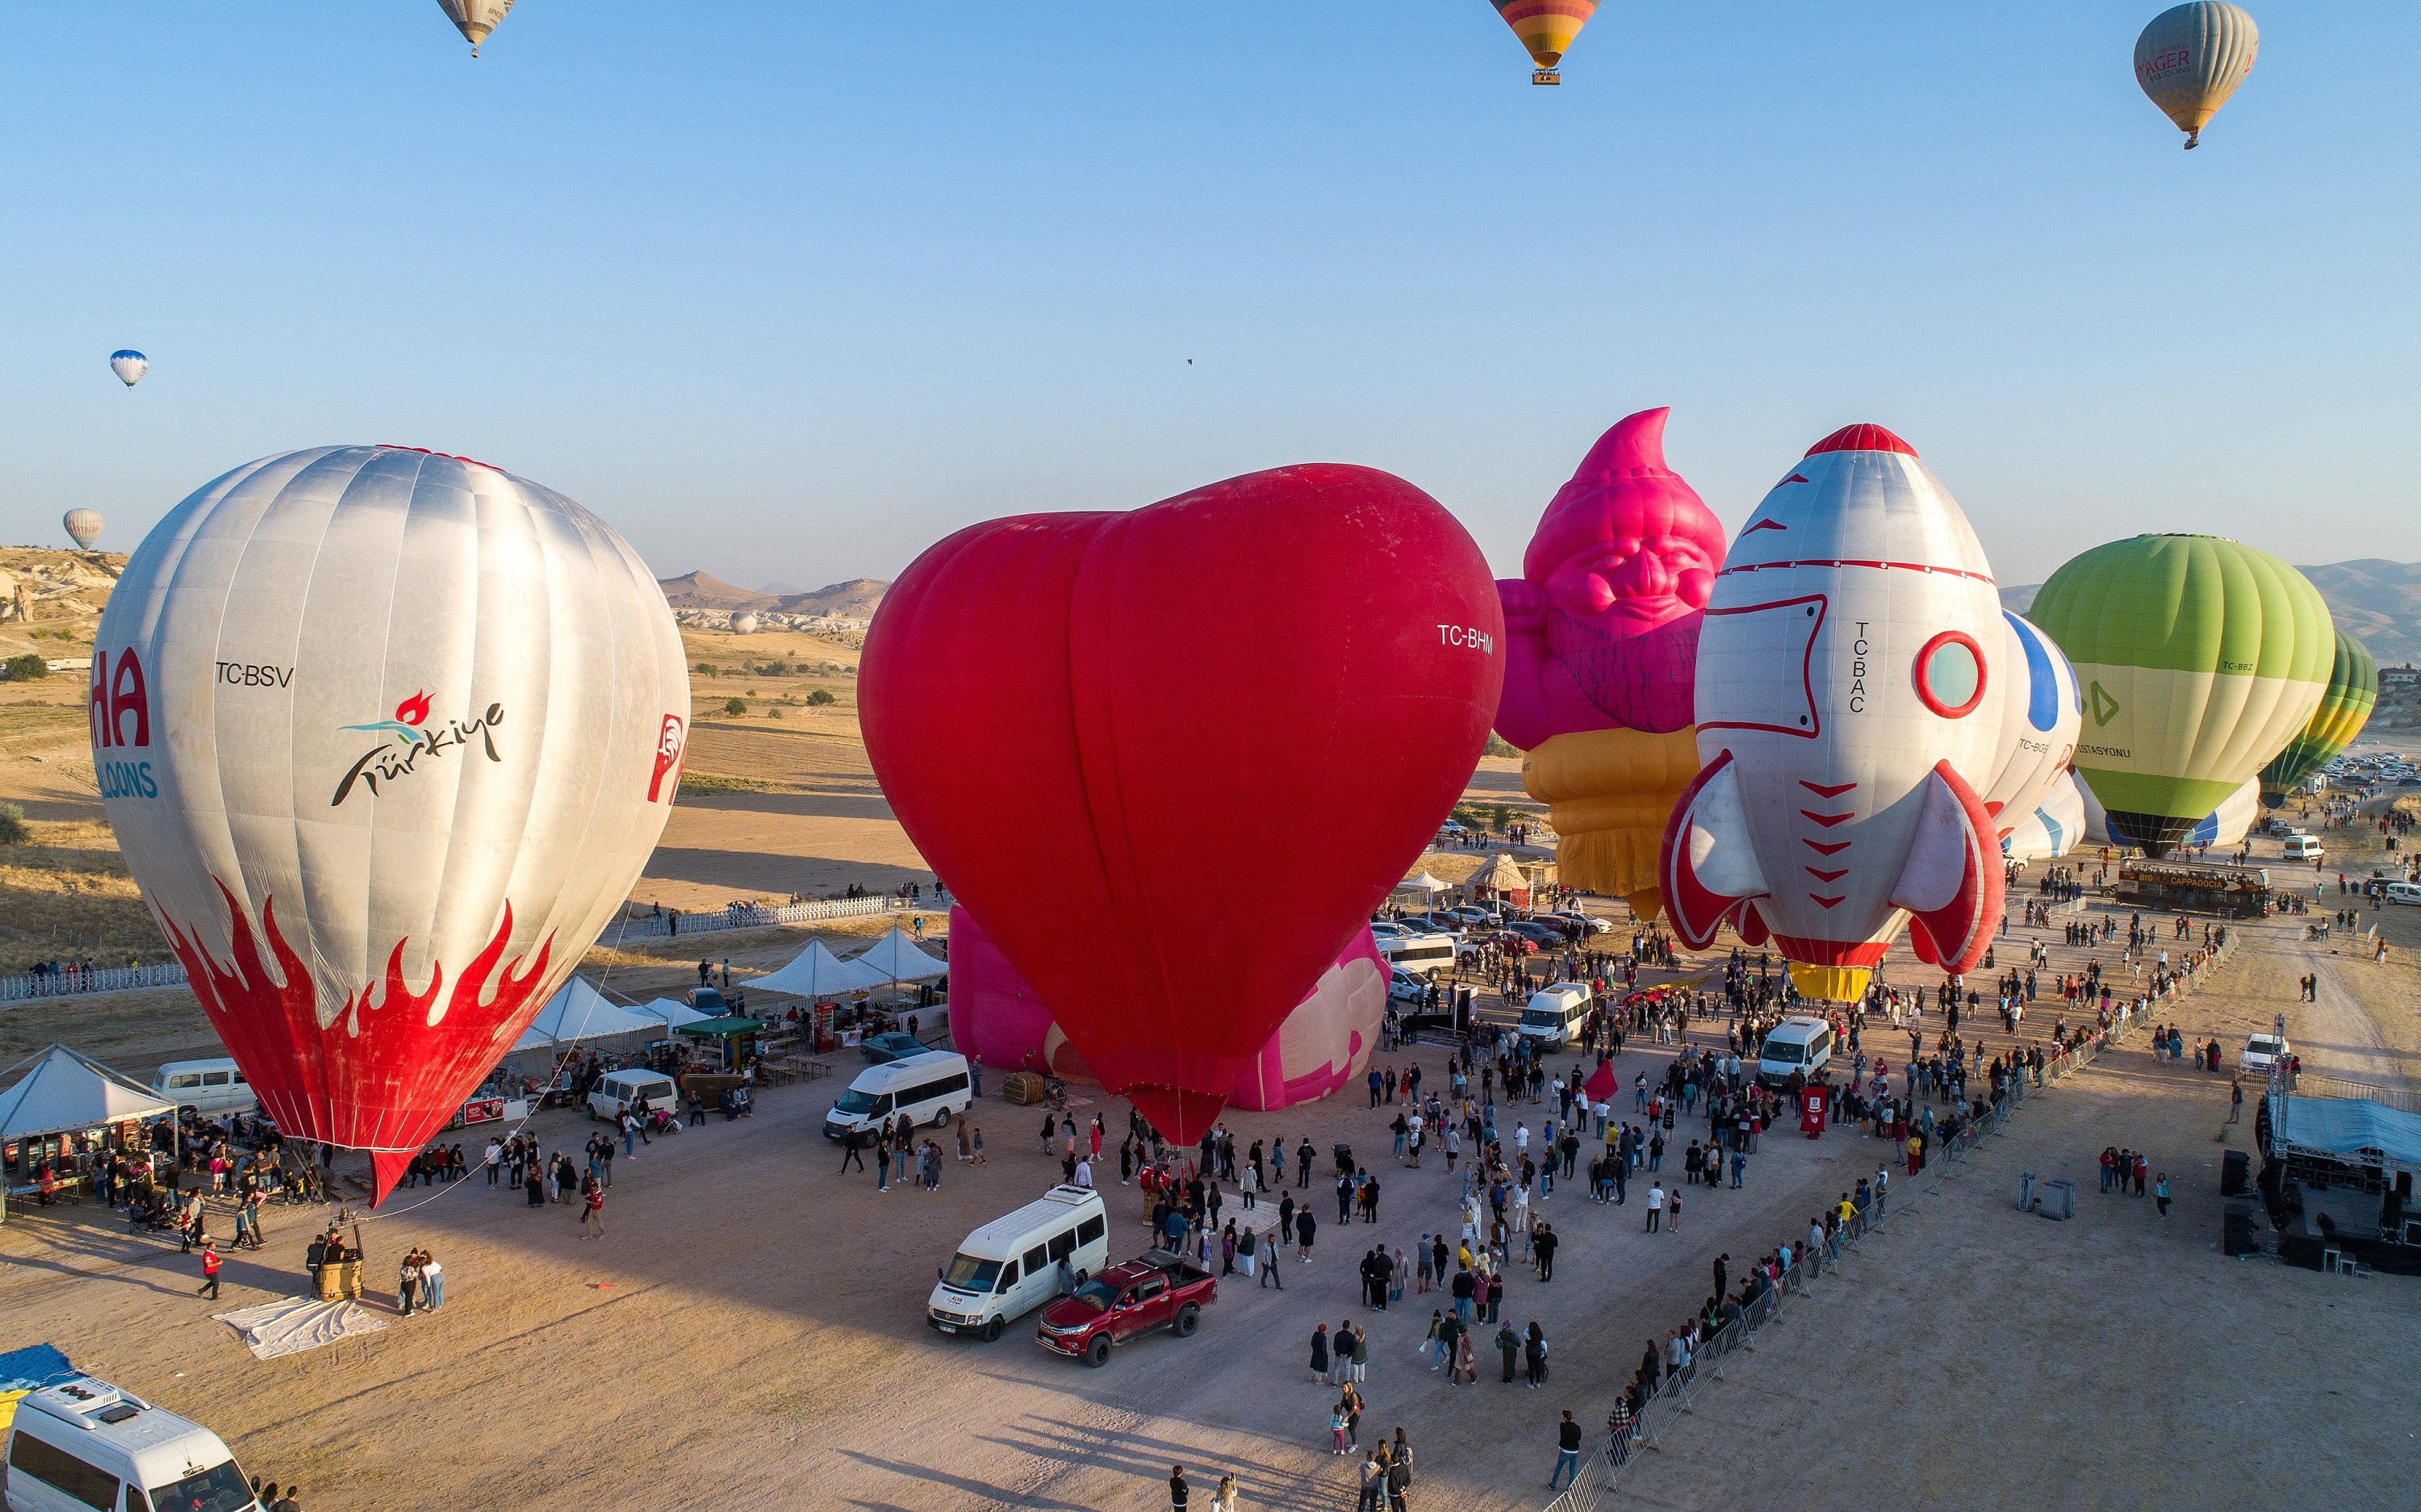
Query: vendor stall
pixel 63 1115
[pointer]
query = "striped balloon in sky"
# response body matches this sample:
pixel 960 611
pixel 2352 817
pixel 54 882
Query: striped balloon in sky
pixel 2191 58
pixel 1547 28
pixel 2345 709
pixel 2199 658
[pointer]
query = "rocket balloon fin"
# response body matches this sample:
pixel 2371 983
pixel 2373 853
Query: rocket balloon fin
pixel 1952 884
pixel 1707 869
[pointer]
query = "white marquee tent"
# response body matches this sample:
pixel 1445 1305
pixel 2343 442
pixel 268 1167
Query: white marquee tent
pixel 896 958
pixel 817 973
pixel 64 1091
pixel 578 1011
pixel 671 1014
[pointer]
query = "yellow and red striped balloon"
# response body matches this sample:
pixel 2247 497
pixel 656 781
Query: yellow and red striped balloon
pixel 1546 27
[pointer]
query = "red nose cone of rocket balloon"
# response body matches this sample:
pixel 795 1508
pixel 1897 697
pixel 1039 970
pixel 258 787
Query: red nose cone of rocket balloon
pixel 1862 437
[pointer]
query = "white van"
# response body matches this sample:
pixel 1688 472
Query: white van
pixel 74 1444
pixel 205 1086
pixel 1556 1013
pixel 928 1088
pixel 618 1091
pixel 1010 1266
pixel 1797 1044
pixel 2304 848
pixel 1422 953
pixel 2404 892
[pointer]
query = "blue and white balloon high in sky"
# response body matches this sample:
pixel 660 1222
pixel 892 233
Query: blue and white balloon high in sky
pixel 1848 694
pixel 129 364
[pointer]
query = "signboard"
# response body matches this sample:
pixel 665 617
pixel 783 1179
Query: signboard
pixel 483 1109
pixel 1812 1102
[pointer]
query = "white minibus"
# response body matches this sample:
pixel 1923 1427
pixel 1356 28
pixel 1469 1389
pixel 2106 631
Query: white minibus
pixel 928 1088
pixel 1796 1044
pixel 1010 1266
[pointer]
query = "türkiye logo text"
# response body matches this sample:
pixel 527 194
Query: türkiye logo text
pixel 122 720
pixel 412 739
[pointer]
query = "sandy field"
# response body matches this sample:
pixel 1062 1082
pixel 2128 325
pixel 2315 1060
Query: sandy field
pixel 750 1329
pixel 750 1298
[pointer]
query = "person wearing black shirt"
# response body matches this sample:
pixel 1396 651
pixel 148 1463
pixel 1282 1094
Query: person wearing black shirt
pixel 1567 1450
pixel 1177 1493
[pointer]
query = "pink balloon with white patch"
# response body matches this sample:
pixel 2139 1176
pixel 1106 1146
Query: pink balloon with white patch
pixel 1323 1045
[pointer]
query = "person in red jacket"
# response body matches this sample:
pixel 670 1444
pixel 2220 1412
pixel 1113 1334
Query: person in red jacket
pixel 210 1263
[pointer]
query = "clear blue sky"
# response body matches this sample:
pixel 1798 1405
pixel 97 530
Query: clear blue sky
pixel 786 289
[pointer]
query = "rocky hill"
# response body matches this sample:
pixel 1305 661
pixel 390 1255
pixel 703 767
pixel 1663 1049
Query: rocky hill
pixel 2376 601
pixel 853 600
pixel 50 600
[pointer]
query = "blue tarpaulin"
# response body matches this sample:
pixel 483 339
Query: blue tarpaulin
pixel 31 1369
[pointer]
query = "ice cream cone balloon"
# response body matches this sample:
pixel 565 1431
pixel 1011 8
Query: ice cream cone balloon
pixel 1601 636
pixel 1608 793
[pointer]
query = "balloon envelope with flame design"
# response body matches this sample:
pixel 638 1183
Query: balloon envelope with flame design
pixel 385 736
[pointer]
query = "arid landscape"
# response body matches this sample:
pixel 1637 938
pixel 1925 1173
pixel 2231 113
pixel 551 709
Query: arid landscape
pixel 748 1293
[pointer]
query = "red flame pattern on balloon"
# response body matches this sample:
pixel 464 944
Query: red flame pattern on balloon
pixel 415 710
pixel 402 1075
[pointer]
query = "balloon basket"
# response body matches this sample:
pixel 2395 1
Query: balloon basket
pixel 1829 984
pixel 1546 76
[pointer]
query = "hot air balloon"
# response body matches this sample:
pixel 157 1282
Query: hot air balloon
pixel 474 19
pixel 2200 659
pixel 2345 709
pixel 2054 826
pixel 1112 733
pixel 385 736
pixel 130 365
pixel 1846 709
pixel 743 623
pixel 83 528
pixel 2040 714
pixel 1547 28
pixel 1324 1044
pixel 1601 647
pixel 2223 826
pixel 2191 58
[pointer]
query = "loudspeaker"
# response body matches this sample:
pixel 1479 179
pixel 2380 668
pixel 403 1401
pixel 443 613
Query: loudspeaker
pixel 2235 1174
pixel 2235 1232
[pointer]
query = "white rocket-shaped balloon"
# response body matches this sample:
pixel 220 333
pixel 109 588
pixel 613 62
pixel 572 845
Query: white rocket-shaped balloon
pixel 1845 719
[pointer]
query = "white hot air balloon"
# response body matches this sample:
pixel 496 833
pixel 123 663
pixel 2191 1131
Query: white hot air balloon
pixel 129 364
pixel 2041 714
pixel 474 19
pixel 385 735
pixel 2054 827
pixel 743 623
pixel 83 528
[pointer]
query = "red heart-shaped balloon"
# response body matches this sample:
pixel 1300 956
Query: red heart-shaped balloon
pixel 1172 758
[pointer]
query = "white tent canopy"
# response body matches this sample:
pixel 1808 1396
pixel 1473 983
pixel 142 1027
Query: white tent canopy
pixel 578 1011
pixel 66 1091
pixel 815 971
pixel 673 1014
pixel 896 958
pixel 1424 883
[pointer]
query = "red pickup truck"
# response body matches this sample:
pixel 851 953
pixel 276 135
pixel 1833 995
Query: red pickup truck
pixel 1160 1291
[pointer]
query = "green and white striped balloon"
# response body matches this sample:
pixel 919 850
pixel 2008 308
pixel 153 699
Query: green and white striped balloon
pixel 2199 659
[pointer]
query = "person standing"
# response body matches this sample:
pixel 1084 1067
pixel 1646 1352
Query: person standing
pixel 1543 1244
pixel 2161 1194
pixel 2235 1099
pixel 592 1211
pixel 1534 1356
pixel 1567 1452
pixel 1304 1227
pixel 1177 1492
pixel 211 1264
pixel 1223 1499
pixel 1655 1205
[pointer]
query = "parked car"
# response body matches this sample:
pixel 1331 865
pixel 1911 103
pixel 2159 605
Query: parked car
pixel 1546 936
pixel 882 1050
pixel 1516 945
pixel 2261 1052
pixel 1474 916
pixel 1589 922
pixel 1159 1291
pixel 618 1092
pixel 1404 987
pixel 206 1085
pixel 1446 919
pixel 73 1445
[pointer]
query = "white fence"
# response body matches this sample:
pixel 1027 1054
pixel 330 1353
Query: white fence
pixel 29 986
pixel 25 988
pixel 751 916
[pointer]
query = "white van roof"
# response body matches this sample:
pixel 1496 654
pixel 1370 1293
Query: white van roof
pixel 215 1063
pixel 93 1418
pixel 1798 1026
pixel 907 1069
pixel 1000 1238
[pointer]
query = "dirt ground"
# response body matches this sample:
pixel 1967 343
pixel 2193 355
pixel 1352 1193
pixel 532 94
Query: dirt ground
pixel 751 1299
pixel 750 1330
